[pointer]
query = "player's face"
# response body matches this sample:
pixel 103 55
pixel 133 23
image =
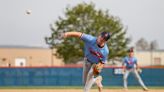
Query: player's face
pixel 131 54
pixel 100 40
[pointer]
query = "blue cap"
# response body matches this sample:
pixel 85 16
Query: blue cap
pixel 106 35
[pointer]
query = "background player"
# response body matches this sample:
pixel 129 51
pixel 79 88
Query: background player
pixel 96 54
pixel 130 65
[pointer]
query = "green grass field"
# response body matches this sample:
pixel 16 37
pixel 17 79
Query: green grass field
pixel 74 87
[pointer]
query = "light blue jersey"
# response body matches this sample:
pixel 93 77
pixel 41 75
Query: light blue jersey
pixel 92 52
pixel 130 62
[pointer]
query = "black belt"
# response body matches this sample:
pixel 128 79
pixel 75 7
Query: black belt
pixel 89 60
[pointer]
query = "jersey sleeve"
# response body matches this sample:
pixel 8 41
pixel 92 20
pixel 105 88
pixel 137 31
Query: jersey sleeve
pixel 86 37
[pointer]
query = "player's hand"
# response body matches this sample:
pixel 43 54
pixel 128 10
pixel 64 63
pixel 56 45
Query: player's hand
pixel 139 70
pixel 123 71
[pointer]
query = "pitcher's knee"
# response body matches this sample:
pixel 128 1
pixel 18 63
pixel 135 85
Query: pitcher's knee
pixel 125 79
pixel 138 78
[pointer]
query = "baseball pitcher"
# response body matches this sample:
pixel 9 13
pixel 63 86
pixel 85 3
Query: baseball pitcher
pixel 96 54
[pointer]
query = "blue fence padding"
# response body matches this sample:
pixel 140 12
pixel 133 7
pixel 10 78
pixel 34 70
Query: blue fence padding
pixel 73 77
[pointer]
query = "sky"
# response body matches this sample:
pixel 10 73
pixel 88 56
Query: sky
pixel 144 19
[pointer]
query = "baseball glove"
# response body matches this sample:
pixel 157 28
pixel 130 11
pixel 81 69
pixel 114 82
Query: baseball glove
pixel 97 69
pixel 139 70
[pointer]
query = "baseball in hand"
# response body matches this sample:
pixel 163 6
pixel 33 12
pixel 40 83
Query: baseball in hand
pixel 28 11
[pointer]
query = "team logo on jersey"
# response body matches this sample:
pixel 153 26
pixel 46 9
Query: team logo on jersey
pixel 130 62
pixel 95 53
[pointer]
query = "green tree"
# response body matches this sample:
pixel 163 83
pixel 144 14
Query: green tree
pixel 154 45
pixel 85 18
pixel 142 44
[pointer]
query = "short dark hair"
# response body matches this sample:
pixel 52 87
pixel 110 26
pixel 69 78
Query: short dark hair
pixel 106 35
pixel 131 49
